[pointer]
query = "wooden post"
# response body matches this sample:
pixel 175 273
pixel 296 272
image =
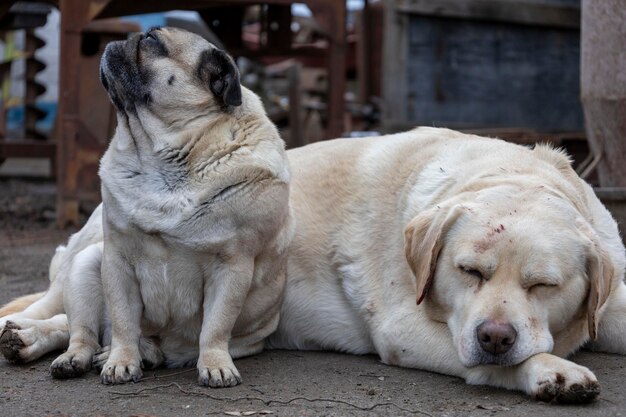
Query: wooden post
pixel 337 71
pixel 603 86
pixel 395 52
pixel 331 16
pixel 74 14
pixel 296 138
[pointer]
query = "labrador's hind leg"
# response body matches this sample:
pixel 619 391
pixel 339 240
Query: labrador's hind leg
pixel 38 306
pixel 84 303
pixel 24 340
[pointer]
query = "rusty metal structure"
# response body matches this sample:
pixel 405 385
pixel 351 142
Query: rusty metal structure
pixel 77 148
pixel 30 142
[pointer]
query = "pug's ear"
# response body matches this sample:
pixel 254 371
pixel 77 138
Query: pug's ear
pixel 219 71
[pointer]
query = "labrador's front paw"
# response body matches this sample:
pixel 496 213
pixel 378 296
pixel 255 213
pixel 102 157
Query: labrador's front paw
pixel 100 358
pixel 121 368
pixel 217 370
pixel 553 379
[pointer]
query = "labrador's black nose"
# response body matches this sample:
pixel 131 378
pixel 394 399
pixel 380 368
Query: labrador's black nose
pixel 496 337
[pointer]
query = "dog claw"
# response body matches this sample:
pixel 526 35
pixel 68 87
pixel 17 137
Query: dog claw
pixel 121 374
pixel 561 381
pixel 100 358
pixel 70 365
pixel 219 377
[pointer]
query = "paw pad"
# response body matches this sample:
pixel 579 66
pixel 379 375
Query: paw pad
pixel 11 344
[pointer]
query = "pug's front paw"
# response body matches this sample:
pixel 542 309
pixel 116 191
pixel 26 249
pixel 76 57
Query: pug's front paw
pixel 217 370
pixel 73 363
pixel 121 368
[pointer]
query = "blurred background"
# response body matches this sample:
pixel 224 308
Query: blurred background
pixel 525 71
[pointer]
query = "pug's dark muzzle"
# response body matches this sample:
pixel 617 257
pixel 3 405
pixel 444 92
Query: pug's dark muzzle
pixel 121 74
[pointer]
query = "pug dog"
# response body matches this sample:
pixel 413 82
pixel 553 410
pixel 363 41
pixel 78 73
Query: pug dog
pixel 185 259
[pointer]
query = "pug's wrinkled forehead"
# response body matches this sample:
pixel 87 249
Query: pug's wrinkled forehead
pixel 169 67
pixel 177 44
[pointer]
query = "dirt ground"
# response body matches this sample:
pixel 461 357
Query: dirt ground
pixel 277 383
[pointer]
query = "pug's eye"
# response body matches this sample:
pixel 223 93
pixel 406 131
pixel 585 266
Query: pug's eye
pixel 472 271
pixel 149 38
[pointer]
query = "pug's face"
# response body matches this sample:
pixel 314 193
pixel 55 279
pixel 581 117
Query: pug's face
pixel 172 74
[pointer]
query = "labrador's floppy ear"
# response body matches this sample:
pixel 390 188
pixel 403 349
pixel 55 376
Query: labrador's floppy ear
pixel 600 272
pixel 423 240
pixel 219 71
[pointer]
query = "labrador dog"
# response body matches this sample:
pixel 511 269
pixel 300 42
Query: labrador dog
pixel 455 254
pixel 184 261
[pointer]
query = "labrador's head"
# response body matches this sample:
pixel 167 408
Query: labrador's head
pixel 510 269
pixel 169 75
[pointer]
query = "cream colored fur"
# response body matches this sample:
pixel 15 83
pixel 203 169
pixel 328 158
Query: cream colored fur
pixel 383 222
pixel 19 304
